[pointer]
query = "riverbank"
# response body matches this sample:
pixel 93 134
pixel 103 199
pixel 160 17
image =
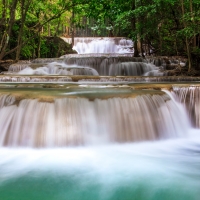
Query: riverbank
pixel 4 64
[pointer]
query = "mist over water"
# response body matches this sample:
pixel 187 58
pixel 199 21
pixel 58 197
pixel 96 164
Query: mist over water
pixel 146 171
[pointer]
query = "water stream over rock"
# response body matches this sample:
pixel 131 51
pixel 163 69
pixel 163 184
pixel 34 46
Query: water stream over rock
pixel 67 108
pixel 88 45
pixel 107 65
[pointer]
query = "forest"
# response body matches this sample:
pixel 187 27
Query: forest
pixel 31 28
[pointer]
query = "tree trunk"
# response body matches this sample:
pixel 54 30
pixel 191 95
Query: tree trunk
pixel 133 23
pixel 39 45
pixel 49 30
pixel 8 30
pixel 57 28
pixel 72 26
pixel 24 9
pixel 3 15
pixel 186 39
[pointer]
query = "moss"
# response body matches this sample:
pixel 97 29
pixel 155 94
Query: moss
pixel 52 47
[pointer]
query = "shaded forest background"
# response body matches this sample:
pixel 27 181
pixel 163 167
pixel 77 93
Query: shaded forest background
pixel 31 28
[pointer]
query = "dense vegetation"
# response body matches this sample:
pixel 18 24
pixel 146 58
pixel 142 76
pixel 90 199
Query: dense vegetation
pixel 159 27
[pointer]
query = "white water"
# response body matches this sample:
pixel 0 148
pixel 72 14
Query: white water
pixel 102 45
pixel 78 121
pixel 148 171
pixel 133 69
pixel 90 66
pixel 112 65
pixel 18 67
pixel 190 98
pixel 56 68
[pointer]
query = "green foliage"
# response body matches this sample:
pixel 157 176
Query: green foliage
pixel 162 24
pixel 27 51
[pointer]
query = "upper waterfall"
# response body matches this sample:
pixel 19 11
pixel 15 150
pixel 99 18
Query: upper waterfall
pixel 88 45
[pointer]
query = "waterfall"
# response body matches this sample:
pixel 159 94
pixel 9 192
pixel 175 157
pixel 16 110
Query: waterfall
pixel 131 69
pixel 102 64
pixel 190 98
pixel 18 67
pixel 32 123
pixel 53 68
pixel 84 65
pixel 101 45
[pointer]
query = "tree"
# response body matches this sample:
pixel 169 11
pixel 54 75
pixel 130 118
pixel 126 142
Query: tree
pixel 38 13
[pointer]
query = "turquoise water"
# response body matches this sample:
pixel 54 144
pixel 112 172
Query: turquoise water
pixel 167 170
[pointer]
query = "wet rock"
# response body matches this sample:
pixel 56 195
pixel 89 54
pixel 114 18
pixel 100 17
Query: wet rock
pixel 171 66
pixel 4 65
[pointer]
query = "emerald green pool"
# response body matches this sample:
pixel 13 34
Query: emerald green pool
pixel 146 171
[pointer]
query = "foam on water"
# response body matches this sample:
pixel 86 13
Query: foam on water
pixel 90 66
pixel 56 68
pixel 148 171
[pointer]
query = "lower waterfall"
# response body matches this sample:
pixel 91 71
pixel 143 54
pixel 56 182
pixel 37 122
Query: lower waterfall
pixel 79 121
pixel 81 143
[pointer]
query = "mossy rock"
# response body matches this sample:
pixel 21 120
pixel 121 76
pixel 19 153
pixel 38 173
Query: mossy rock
pixel 52 47
pixel 4 65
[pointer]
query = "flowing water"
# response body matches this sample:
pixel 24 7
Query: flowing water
pixel 101 45
pixel 103 65
pixel 89 137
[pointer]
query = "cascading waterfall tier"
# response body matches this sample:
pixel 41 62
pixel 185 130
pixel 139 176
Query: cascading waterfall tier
pixel 132 69
pixel 103 65
pixel 80 117
pixel 109 66
pixel 101 45
pixel 190 98
pixel 54 68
